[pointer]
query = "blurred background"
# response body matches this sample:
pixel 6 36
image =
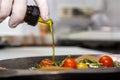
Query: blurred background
pixel 91 24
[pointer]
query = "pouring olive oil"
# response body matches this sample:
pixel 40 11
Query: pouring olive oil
pixel 50 24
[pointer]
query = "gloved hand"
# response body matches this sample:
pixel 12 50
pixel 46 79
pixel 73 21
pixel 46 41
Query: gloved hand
pixel 18 8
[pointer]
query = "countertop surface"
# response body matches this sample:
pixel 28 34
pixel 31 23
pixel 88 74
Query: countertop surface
pixel 93 35
pixel 19 52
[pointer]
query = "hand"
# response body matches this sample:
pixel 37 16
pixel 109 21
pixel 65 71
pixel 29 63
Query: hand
pixel 18 9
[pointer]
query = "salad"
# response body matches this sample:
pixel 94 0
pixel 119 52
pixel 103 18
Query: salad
pixel 81 62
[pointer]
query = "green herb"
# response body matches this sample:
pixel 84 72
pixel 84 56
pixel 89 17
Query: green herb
pixel 88 61
pixel 37 66
pixel 58 63
pixel 116 64
pixel 91 63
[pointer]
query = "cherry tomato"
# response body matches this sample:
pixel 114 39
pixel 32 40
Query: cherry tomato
pixel 70 62
pixel 106 61
pixel 46 62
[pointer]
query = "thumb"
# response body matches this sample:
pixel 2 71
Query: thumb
pixel 43 7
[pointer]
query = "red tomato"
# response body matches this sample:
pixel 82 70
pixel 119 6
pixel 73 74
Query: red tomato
pixel 70 62
pixel 106 61
pixel 45 62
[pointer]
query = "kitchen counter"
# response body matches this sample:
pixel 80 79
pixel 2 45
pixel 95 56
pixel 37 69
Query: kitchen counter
pixel 19 52
pixel 93 36
pixel 100 40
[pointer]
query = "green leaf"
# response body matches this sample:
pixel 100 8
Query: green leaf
pixel 58 63
pixel 91 63
pixel 37 66
pixel 116 64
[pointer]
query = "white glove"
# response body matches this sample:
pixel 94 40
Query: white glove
pixel 18 8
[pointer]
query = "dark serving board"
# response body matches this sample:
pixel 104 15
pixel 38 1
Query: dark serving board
pixel 17 69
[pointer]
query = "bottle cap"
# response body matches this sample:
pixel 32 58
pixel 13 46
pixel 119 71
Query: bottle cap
pixel 32 15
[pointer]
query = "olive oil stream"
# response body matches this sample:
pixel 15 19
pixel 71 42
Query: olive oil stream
pixel 50 24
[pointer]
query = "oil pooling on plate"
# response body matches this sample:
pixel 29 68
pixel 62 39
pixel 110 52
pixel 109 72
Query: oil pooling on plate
pixel 50 24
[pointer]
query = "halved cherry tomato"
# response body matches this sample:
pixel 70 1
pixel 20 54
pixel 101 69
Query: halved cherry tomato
pixel 70 62
pixel 46 62
pixel 106 61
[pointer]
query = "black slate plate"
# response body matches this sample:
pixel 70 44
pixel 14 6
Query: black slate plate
pixel 18 70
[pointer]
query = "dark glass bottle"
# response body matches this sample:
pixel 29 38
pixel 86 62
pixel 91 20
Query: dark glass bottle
pixel 32 15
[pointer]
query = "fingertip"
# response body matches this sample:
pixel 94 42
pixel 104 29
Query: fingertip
pixel 15 20
pixel 45 18
pixel 12 24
